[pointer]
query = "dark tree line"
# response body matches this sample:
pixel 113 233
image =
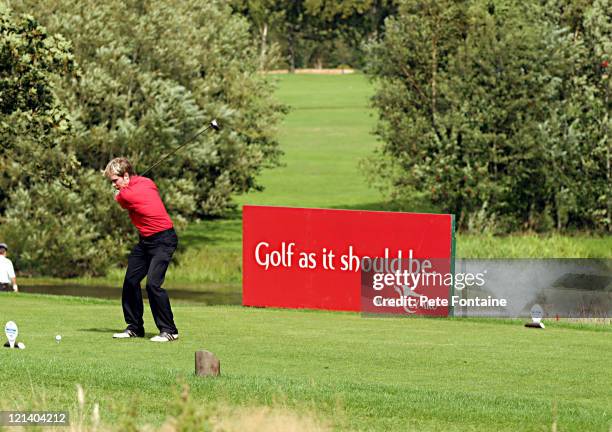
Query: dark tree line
pixel 314 33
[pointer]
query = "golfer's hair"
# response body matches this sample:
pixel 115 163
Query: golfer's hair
pixel 118 166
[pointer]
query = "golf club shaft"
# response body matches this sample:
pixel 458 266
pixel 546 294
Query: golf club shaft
pixel 176 149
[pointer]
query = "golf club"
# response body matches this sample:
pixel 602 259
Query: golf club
pixel 212 125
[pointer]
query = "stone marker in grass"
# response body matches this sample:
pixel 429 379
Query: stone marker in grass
pixel 207 364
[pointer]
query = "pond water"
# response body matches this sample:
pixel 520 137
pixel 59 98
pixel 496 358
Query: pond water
pixel 210 297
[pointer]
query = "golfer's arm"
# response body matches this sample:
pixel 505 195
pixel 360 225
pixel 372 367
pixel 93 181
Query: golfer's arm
pixel 125 199
pixel 12 276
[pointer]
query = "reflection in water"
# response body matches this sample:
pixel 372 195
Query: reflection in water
pixel 204 297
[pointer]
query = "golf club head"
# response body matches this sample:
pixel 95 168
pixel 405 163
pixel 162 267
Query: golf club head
pixel 214 124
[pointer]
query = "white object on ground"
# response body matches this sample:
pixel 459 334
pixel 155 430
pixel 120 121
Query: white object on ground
pixel 11 331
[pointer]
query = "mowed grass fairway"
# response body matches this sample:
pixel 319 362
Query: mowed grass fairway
pixel 355 373
pixel 324 136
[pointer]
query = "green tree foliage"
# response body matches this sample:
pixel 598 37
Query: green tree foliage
pixel 576 133
pixel 265 17
pixel 495 111
pixel 32 121
pixel 54 215
pixel 59 231
pixel 125 78
pixel 151 75
pixel 316 32
pixel 339 29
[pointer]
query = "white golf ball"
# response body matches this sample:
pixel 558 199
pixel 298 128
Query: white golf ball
pixel 21 345
pixel 58 338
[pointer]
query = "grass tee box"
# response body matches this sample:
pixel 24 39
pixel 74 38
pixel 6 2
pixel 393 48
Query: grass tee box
pixel 359 374
pixel 312 258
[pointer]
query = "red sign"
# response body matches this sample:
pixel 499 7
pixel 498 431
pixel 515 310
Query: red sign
pixel 314 258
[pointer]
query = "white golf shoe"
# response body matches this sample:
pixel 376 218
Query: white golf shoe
pixel 125 334
pixel 164 337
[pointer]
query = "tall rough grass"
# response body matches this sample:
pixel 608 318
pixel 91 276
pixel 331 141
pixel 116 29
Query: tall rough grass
pixel 185 414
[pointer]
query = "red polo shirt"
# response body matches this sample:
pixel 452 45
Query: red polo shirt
pixel 142 201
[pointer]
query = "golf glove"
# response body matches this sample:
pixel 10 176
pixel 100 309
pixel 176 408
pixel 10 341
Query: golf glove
pixel 15 288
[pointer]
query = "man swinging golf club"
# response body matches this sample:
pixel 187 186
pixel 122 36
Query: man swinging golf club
pixel 151 255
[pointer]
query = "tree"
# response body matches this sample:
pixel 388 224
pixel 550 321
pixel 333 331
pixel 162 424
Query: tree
pixel 134 79
pixel 314 32
pixel 576 134
pixel 152 74
pixel 351 23
pixel 33 122
pixel 51 210
pixel 265 16
pixel 481 111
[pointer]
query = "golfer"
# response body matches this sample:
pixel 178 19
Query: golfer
pixel 151 255
pixel 7 272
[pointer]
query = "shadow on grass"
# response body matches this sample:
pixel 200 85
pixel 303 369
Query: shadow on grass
pixel 112 331
pixel 100 330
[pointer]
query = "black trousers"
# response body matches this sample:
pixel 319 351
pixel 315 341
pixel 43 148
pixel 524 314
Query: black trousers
pixel 150 258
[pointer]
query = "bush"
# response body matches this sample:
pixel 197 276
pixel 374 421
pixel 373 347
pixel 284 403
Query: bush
pixel 59 231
